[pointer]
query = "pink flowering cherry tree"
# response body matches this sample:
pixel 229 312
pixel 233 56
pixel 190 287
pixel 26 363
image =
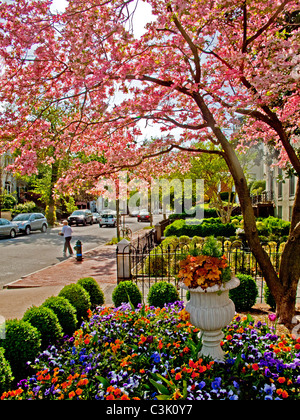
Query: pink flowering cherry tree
pixel 199 67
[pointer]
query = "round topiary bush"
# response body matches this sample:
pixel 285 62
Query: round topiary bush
pixel 244 296
pixel 22 344
pixel 269 298
pixel 161 293
pixel 6 376
pixel 127 291
pixel 65 312
pixel 46 322
pixel 79 298
pixel 94 290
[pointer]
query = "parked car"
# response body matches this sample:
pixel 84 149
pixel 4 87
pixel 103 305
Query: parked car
pixel 81 217
pixel 108 211
pixel 134 213
pixel 29 222
pixel 96 217
pixel 108 219
pixel 143 216
pixel 8 229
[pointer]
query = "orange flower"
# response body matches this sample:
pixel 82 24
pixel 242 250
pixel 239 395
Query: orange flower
pixel 283 393
pixel 178 376
pixel 281 380
pixel 160 345
pixel 83 382
pixel 78 391
pixel 72 394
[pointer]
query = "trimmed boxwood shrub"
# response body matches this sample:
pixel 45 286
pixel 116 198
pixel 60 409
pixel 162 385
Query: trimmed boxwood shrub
pixel 205 227
pixel 161 293
pixel 46 322
pixel 244 296
pixel 207 214
pixel 6 376
pixel 22 344
pixel 65 312
pixel 79 298
pixel 94 290
pixel 126 291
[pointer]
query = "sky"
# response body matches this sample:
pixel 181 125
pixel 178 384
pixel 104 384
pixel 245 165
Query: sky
pixel 142 16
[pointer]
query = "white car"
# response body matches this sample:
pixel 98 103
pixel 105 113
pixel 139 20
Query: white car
pixel 108 219
pixel 96 217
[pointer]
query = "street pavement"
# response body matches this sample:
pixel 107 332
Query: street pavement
pixel 32 289
pixel 26 254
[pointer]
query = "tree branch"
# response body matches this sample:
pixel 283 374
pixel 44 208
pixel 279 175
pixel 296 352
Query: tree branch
pixel 178 124
pixel 269 23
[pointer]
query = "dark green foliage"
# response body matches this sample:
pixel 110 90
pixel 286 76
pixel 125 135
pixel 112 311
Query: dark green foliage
pixel 205 227
pixel 207 214
pixel 22 343
pixel 269 298
pixel 65 312
pixel 46 322
pixel 94 291
pixel 126 291
pixel 6 376
pixel 79 298
pixel 244 296
pixel 211 248
pixel 161 293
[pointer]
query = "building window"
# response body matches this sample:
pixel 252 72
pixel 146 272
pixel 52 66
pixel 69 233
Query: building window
pixel 279 212
pixel 292 183
pixel 280 183
pixel 290 212
pixel 8 187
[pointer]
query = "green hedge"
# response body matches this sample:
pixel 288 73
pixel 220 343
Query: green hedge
pixel 161 293
pixel 79 298
pixel 244 296
pixel 126 291
pixel 203 228
pixel 65 312
pixel 22 344
pixel 6 376
pixel 46 322
pixel 207 214
pixel 94 290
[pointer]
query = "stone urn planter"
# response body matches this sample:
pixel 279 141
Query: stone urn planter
pixel 211 310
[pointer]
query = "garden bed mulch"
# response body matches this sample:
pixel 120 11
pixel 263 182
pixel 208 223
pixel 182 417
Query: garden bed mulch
pixel 260 312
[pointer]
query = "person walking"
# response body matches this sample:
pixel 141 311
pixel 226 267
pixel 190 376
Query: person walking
pixel 66 232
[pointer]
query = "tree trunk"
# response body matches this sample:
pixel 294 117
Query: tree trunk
pixel 282 288
pixel 289 272
pixel 51 208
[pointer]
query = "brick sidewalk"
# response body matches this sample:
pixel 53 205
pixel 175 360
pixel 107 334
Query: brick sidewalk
pixel 99 263
pixel 35 288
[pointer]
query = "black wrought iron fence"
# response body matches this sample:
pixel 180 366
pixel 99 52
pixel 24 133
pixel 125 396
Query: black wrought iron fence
pixel 146 265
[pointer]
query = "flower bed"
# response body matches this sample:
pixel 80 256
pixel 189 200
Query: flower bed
pixel 151 353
